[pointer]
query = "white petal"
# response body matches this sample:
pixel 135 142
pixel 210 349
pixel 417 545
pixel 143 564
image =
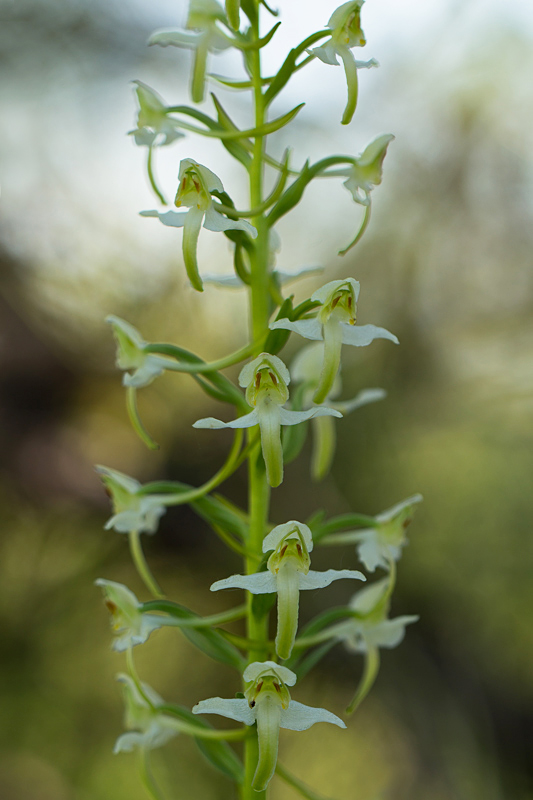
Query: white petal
pixel 277 534
pixel 318 580
pixel 326 53
pixel 287 277
pixel 130 485
pixel 234 708
pixel 325 293
pixel 175 38
pixel 372 62
pixel 172 219
pixel 388 633
pixel 256 668
pixel 371 554
pixel 215 221
pixel 392 512
pixel 153 367
pixel 224 281
pixel 308 328
pixel 246 375
pixel 364 397
pixel 295 417
pixel 247 421
pixel 367 599
pixel 259 583
pixel 128 742
pixel 362 335
pixel 299 717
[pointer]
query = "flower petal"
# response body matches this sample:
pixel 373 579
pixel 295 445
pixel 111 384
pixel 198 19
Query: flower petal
pixel 215 221
pixel 318 580
pixel 247 421
pixel 256 668
pixel 362 335
pixel 364 397
pixel 172 219
pixel 232 708
pixel 277 534
pixel 308 328
pixel 258 583
pixel 166 38
pixel 295 417
pixel 299 717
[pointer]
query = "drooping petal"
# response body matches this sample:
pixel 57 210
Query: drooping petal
pixel 246 421
pixel 172 219
pixel 288 588
pixel 333 337
pixel 232 708
pixel 215 221
pixel 269 418
pixel 299 717
pixel 318 580
pixel 295 417
pixel 268 713
pixel 308 328
pixel 259 583
pixel 362 335
pixel 191 230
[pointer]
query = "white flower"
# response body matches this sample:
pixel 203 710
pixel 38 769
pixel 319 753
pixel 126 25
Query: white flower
pixel 288 573
pixel 335 325
pixel 266 379
pixel 268 703
pixel 367 169
pixel 140 366
pixel 306 369
pixel 378 546
pixel 196 184
pixel 345 24
pixel 154 127
pixel 203 36
pixel 234 282
pixel 372 628
pixel 129 624
pixel 148 727
pixel 132 511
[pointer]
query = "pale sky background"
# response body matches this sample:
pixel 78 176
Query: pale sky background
pixel 73 184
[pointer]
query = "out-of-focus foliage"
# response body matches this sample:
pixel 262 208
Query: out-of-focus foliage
pixel 448 267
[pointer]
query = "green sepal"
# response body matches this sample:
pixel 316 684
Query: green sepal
pixel 219 754
pixel 246 41
pixel 340 523
pixel 234 148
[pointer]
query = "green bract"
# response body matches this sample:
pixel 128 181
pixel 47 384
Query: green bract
pixel 265 380
pixel 196 184
pixel 267 703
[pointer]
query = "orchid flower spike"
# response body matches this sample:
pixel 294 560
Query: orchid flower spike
pixel 132 511
pixel 140 367
pixel 130 625
pixel 268 703
pixel 148 728
pixel 287 574
pixel 203 36
pixel 154 127
pixel 196 184
pixel 266 379
pixel 345 25
pixel 335 325
pixel 306 369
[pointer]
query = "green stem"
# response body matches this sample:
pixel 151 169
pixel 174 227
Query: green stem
pixel 151 178
pixel 258 489
pixel 297 784
pixel 147 778
pixel 202 622
pixel 141 564
pixel 211 366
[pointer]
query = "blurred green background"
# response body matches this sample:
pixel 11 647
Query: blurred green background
pixel 446 265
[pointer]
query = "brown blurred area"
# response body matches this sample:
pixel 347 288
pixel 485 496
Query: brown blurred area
pixel 446 265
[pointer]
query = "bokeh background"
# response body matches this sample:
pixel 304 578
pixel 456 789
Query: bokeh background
pixel 446 265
